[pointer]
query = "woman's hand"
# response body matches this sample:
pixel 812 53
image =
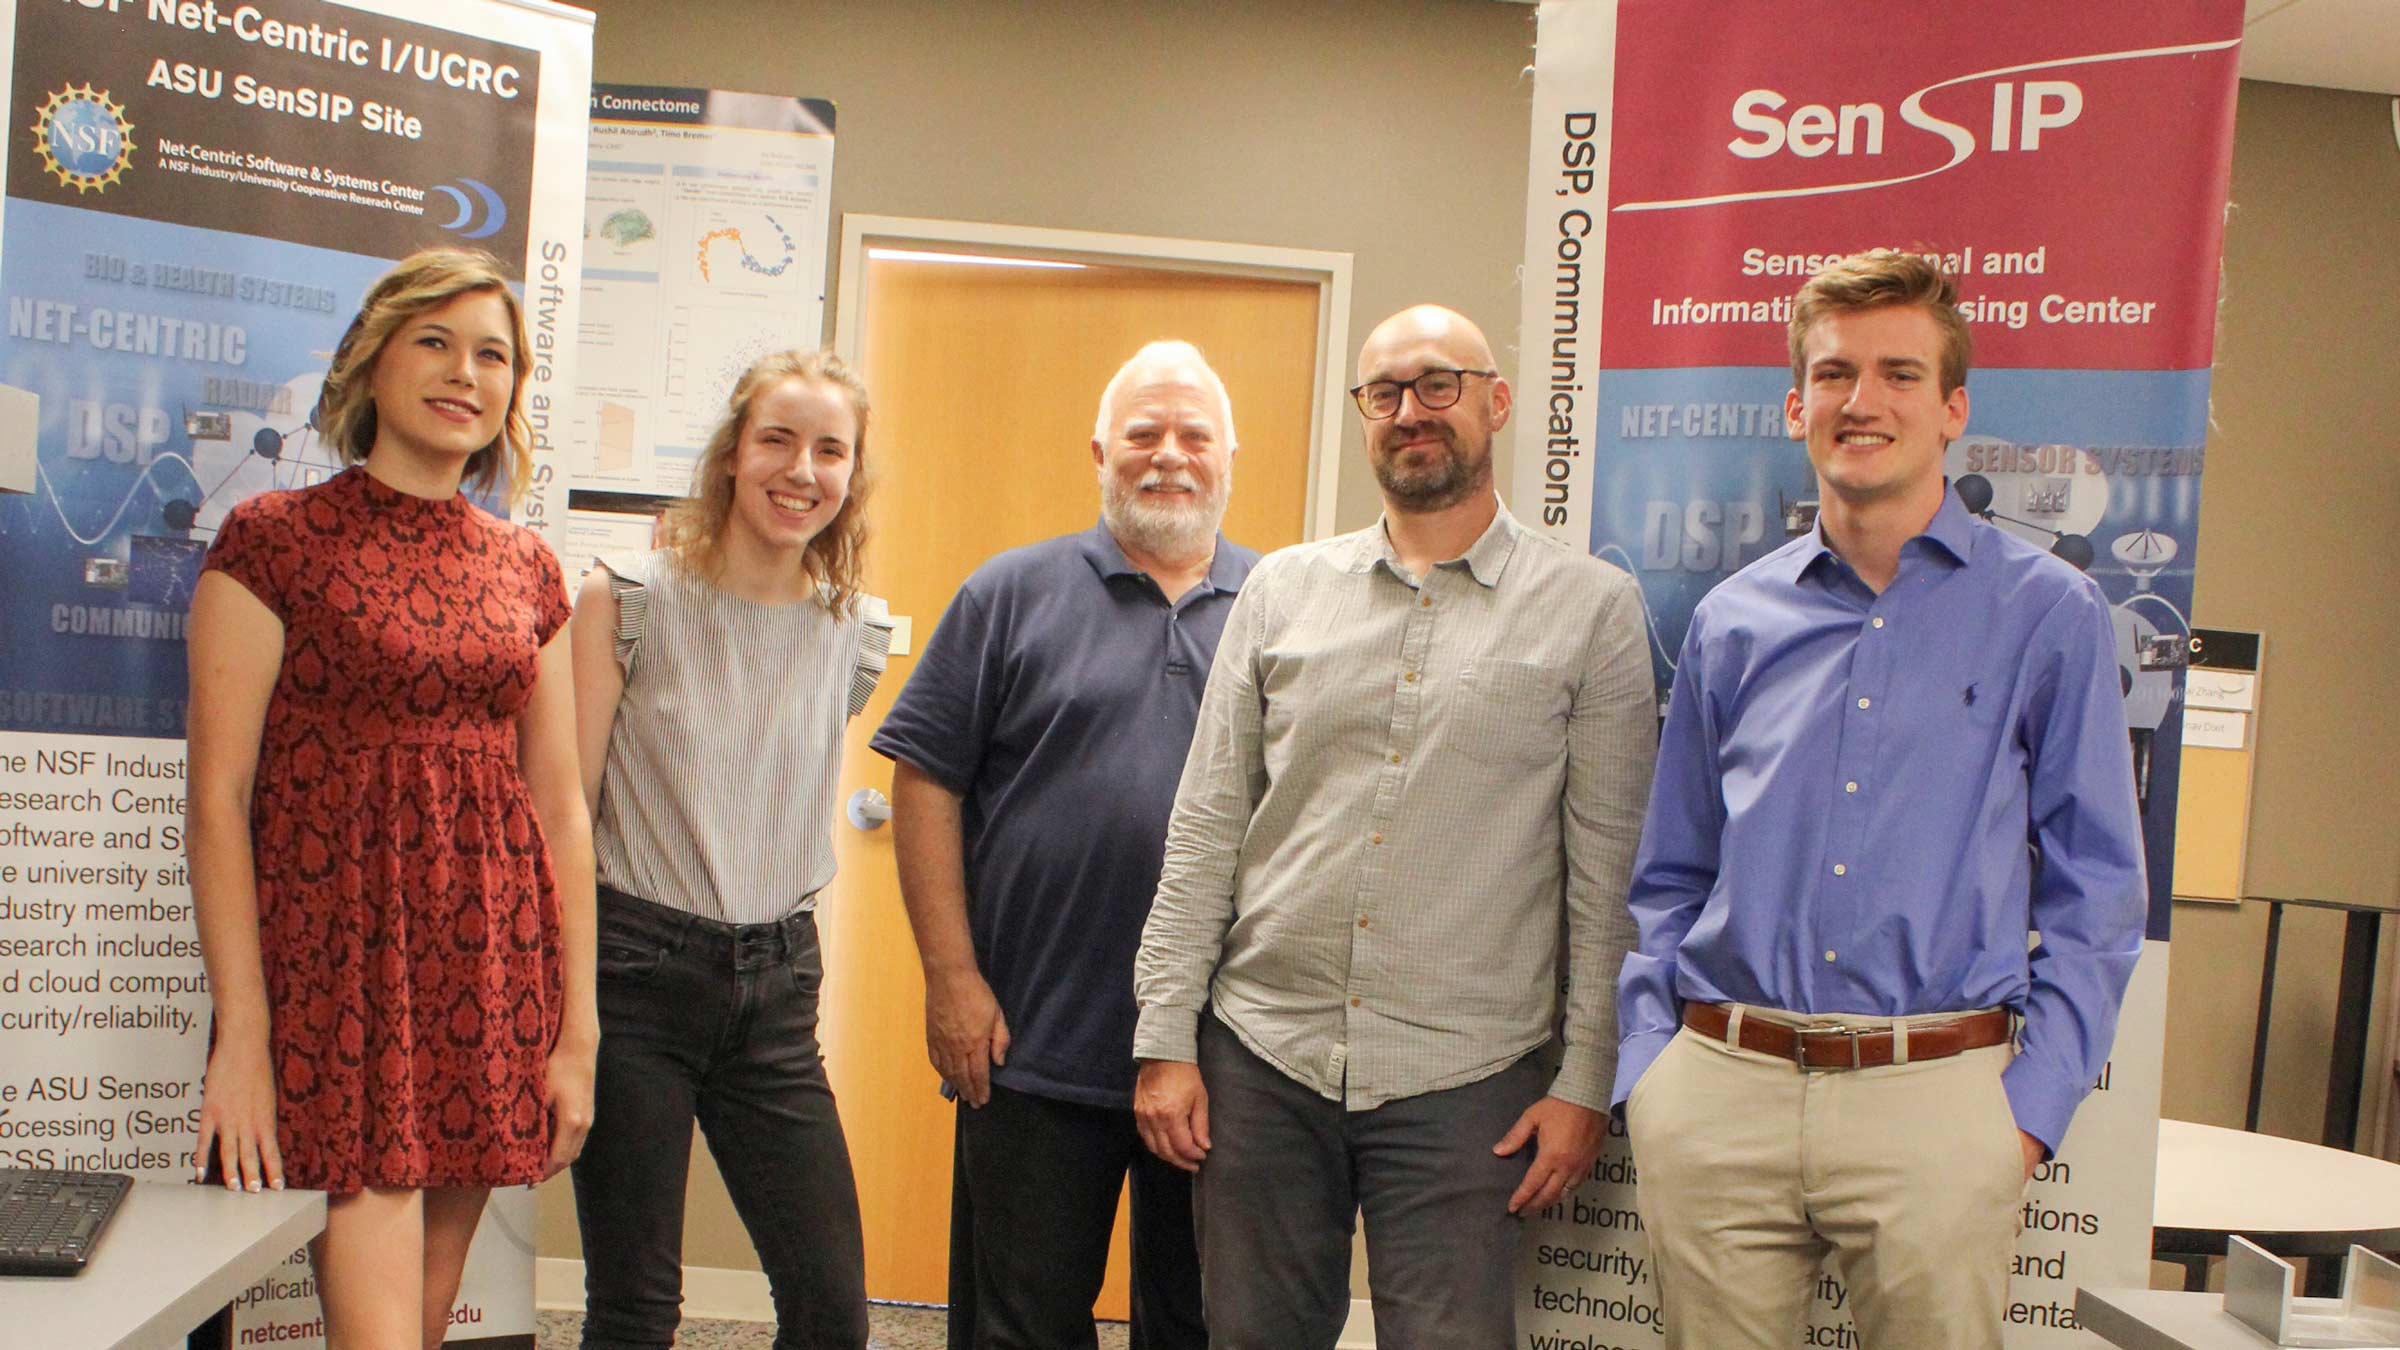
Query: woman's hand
pixel 567 1091
pixel 237 1116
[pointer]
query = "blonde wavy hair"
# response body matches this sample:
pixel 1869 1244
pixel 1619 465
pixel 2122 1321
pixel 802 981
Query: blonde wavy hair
pixel 424 281
pixel 694 528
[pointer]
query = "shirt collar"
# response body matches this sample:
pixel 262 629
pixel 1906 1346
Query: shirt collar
pixel 1485 559
pixel 1100 549
pixel 1107 558
pixel 1951 531
pixel 1952 528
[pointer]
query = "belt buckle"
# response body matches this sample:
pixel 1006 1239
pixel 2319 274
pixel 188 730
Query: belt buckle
pixel 1800 1046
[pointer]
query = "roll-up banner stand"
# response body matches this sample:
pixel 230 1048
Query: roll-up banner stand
pixel 197 196
pixel 1691 166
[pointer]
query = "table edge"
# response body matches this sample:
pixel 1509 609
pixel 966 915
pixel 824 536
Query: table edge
pixel 170 1325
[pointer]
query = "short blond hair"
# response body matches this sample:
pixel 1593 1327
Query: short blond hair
pixel 424 281
pixel 694 528
pixel 1883 278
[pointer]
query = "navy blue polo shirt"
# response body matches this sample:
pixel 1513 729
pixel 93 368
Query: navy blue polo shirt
pixel 1057 697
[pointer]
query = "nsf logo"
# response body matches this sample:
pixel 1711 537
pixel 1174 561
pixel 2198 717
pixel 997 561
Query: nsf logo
pixel 83 137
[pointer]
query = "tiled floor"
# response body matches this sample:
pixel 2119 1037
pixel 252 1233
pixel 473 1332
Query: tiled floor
pixel 894 1328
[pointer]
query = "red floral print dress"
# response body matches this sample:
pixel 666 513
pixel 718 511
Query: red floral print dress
pixel 407 914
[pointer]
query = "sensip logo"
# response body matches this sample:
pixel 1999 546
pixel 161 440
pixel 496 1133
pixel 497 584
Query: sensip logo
pixel 2022 111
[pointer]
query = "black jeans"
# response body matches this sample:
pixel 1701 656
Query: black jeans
pixel 714 1022
pixel 1034 1199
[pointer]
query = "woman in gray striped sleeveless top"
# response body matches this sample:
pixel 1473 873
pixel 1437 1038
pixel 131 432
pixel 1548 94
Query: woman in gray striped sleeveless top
pixel 713 679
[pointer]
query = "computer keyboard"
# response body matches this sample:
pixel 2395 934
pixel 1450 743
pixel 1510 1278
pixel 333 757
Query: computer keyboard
pixel 49 1221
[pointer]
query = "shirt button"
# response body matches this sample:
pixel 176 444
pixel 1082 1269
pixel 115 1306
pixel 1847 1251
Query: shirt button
pixel 1362 920
pixel 1395 756
pixel 1849 787
pixel 1374 838
pixel 1879 622
pixel 1840 870
pixel 1426 601
pixel 1828 955
pixel 1411 677
pixel 1865 702
pixel 1356 1002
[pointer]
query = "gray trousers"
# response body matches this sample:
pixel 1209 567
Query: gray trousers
pixel 1288 1172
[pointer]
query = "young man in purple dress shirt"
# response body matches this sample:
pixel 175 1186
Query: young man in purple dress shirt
pixel 1895 747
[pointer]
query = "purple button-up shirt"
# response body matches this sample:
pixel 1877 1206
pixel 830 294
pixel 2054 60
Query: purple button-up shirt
pixel 1865 802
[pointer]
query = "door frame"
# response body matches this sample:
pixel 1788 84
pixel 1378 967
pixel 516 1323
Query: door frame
pixel 1328 272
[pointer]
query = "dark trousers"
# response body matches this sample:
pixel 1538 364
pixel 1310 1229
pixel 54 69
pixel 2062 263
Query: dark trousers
pixel 1288 1171
pixel 714 1023
pixel 1033 1200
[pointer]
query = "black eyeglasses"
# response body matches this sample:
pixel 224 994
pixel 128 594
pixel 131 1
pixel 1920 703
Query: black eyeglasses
pixel 1436 389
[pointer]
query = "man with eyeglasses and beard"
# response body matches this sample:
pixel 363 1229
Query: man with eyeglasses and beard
pixel 1035 753
pixel 1418 777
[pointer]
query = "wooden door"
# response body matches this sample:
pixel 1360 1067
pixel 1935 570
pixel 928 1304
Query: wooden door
pixel 985 380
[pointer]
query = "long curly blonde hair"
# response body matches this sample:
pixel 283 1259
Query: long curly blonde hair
pixel 694 528
pixel 428 280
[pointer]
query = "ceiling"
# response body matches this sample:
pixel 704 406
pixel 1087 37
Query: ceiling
pixel 2336 44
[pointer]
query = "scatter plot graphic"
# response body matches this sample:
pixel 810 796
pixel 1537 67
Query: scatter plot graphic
pixel 730 239
pixel 708 349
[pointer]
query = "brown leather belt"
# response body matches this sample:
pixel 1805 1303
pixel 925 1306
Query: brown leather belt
pixel 1833 1045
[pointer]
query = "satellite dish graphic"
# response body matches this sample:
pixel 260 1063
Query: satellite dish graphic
pixel 2144 553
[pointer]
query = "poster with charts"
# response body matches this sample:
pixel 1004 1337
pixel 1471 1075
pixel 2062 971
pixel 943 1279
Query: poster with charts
pixel 705 220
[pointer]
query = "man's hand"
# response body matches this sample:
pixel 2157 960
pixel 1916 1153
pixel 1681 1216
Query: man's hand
pixel 1568 1138
pixel 1170 1108
pixel 965 1034
pixel 2034 1153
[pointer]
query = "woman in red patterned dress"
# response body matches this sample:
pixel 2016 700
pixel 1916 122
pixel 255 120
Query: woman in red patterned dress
pixel 391 860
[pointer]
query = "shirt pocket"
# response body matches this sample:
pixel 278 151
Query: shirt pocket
pixel 1514 712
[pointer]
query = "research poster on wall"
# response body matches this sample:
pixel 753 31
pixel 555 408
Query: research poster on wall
pixel 2068 163
pixel 704 225
pixel 196 197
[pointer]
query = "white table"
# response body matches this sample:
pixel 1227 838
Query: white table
pixel 172 1258
pixel 2160 1319
pixel 2293 1199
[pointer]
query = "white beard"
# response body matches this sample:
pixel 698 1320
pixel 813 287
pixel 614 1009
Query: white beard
pixel 1168 532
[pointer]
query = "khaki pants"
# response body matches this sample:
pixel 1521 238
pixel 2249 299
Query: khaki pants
pixel 1751 1170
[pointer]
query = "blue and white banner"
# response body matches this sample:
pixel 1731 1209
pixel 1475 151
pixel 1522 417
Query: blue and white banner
pixel 196 197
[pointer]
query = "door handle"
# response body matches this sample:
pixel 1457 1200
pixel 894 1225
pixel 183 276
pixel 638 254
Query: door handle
pixel 868 809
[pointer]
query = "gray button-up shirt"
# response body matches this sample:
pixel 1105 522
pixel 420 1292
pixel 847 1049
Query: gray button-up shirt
pixel 1400 793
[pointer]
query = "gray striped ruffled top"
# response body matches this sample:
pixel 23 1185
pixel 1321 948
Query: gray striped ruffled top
pixel 718 794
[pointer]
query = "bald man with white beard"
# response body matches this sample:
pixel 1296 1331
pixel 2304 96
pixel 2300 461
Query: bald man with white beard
pixel 1036 749
pixel 1420 767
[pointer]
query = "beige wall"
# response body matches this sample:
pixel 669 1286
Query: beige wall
pixel 2299 521
pixel 1397 132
